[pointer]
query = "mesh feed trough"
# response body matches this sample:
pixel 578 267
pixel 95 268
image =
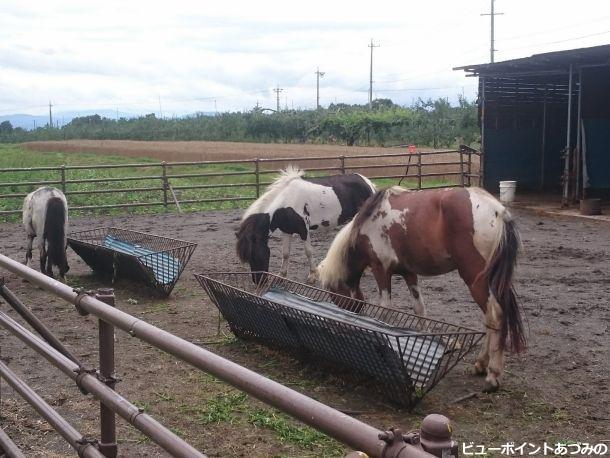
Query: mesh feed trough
pixel 406 354
pixel 155 260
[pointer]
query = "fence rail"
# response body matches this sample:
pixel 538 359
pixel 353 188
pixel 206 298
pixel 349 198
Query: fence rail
pixel 352 432
pixel 459 167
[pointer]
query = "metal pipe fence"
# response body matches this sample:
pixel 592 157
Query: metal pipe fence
pixel 354 433
pixel 200 182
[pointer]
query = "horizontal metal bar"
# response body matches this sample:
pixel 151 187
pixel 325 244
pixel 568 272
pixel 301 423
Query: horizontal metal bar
pixel 108 180
pixel 59 423
pixel 137 204
pixel 212 174
pixel 29 183
pixel 207 186
pixel 35 323
pixel 13 196
pixel 115 190
pixel 218 199
pixel 309 169
pixel 9 448
pixel 432 164
pixel 342 427
pixel 111 399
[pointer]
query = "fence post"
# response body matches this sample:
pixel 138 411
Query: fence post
pixel 461 166
pixel 342 158
pixel 63 178
pixel 108 444
pixel 257 176
pixel 165 183
pixel 419 170
pixel 469 168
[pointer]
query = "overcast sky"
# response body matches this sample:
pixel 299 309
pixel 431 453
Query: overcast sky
pixel 179 57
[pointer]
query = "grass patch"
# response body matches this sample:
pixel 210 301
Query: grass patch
pixel 124 180
pixel 288 432
pixel 223 408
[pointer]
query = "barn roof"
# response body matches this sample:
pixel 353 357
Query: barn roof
pixel 550 63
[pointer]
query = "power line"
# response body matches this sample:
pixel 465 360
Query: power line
pixel 556 29
pixel 559 41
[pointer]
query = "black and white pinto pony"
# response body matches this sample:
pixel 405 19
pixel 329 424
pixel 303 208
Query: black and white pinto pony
pixel 433 232
pixel 45 215
pixel 294 204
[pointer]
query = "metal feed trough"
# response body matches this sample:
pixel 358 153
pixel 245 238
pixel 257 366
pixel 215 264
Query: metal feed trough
pixel 407 354
pixel 155 260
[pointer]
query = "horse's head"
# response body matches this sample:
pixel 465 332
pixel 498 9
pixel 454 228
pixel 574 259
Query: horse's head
pixel 253 244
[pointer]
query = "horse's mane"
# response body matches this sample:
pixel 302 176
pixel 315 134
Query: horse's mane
pixel 286 176
pixel 333 267
pixel 367 209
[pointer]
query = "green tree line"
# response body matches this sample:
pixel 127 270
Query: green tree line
pixel 434 123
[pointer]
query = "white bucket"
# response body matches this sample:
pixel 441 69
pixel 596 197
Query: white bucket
pixel 507 191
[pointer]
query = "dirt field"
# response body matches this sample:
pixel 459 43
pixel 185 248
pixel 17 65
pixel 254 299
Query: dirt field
pixel 198 150
pixel 557 391
pixel 222 151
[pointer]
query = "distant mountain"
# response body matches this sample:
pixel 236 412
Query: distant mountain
pixel 62 118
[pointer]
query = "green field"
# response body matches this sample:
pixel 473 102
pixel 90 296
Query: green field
pixel 128 182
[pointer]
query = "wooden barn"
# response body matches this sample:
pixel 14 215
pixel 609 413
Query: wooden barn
pixel 535 109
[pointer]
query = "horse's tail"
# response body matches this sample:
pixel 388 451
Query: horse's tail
pixel 55 230
pixel 500 272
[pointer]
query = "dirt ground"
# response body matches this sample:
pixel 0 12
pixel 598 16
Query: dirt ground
pixel 303 155
pixel 557 391
pixel 199 150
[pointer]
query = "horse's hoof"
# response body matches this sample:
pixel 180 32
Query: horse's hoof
pixel 479 369
pixel 491 387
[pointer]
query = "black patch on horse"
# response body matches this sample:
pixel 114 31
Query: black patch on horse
pixel 289 222
pixel 351 190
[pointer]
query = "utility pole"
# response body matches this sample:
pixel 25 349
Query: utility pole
pixel 277 93
pixel 371 76
pixel 319 75
pixel 50 116
pixel 492 14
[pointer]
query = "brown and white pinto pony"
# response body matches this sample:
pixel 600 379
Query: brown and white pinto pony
pixel 433 232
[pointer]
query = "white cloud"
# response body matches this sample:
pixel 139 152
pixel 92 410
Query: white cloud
pixel 197 55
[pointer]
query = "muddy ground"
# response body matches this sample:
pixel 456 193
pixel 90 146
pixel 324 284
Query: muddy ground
pixel 557 390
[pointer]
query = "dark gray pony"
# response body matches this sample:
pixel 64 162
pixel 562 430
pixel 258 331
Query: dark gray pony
pixel 297 205
pixel 45 215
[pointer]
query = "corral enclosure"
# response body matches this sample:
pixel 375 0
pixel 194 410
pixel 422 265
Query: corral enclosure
pixel 204 175
pixel 556 391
